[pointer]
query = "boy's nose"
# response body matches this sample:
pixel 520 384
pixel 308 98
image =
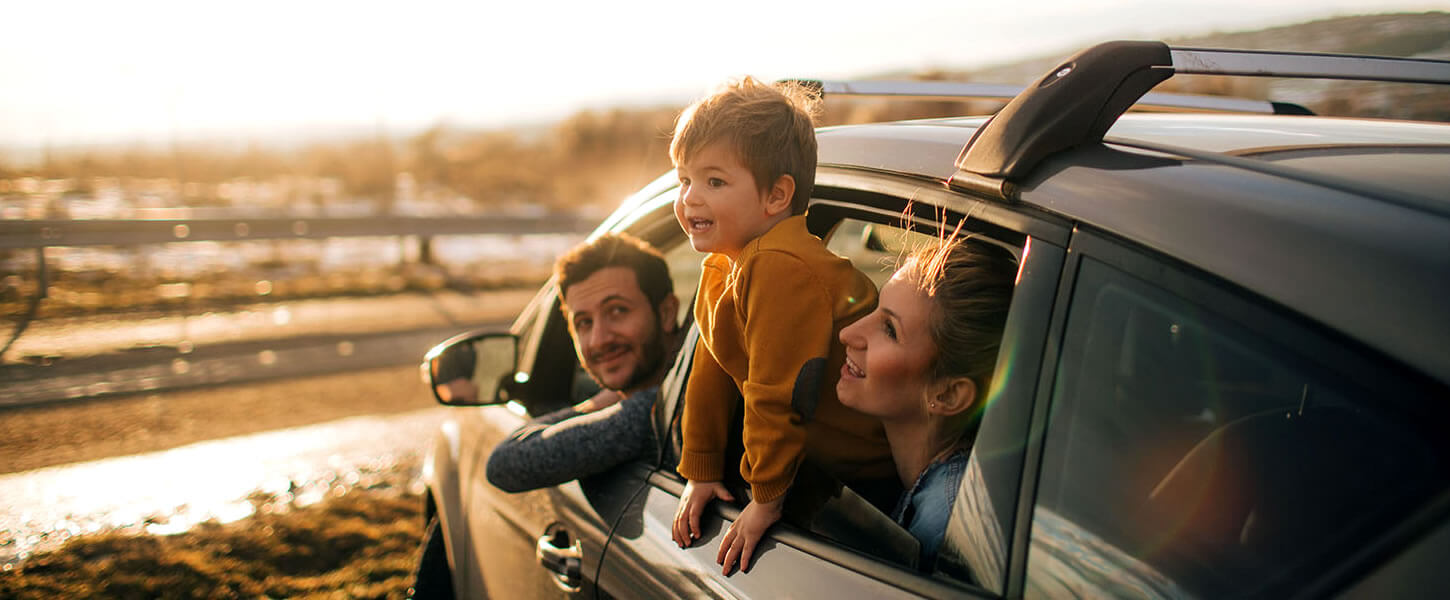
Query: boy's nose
pixel 689 197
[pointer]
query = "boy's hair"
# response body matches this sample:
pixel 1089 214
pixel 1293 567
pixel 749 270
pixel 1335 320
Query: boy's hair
pixel 770 128
pixel 617 250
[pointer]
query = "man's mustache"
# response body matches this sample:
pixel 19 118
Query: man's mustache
pixel 601 353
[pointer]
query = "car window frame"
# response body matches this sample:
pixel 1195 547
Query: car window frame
pixel 882 198
pixel 1317 349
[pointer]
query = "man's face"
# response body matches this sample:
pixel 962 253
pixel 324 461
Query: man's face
pixel 618 335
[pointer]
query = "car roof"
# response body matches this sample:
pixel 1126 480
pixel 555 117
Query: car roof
pixel 1346 221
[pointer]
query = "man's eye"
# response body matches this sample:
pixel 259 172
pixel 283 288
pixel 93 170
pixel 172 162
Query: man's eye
pixel 582 323
pixel 618 310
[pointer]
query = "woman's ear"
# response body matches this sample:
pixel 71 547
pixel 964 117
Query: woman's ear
pixel 778 197
pixel 953 396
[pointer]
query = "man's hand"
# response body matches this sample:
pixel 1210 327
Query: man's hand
pixel 739 542
pixel 692 503
pixel 604 399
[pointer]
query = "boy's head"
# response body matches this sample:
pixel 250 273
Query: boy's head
pixel 768 127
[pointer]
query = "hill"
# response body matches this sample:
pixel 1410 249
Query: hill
pixel 1412 35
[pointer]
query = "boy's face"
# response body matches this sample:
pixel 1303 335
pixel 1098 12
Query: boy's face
pixel 720 206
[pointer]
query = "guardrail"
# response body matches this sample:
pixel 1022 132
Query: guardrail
pixel 42 234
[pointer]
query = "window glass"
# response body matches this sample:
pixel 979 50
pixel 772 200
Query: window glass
pixel 1187 456
pixel 874 248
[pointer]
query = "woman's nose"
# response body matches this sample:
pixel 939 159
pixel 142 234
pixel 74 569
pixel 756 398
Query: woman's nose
pixel 850 335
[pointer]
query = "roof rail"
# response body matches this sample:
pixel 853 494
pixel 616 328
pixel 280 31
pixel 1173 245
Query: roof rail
pixel 966 90
pixel 1076 102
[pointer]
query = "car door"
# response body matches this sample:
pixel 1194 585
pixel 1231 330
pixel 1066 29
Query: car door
pixel 854 550
pixel 549 542
pixel 542 543
pixel 1199 442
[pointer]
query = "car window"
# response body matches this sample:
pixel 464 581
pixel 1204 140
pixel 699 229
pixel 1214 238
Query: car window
pixel 1189 456
pixel 874 248
pixel 877 249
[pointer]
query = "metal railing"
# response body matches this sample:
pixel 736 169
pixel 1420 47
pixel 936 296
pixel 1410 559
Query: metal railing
pixel 123 232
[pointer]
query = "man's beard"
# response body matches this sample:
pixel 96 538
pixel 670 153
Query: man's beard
pixel 652 356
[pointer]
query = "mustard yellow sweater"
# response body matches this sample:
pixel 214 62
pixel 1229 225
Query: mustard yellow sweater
pixel 782 305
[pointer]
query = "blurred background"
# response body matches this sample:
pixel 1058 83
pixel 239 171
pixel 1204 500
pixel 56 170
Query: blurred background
pixel 245 222
pixel 171 109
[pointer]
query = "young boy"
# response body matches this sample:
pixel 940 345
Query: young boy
pixel 771 302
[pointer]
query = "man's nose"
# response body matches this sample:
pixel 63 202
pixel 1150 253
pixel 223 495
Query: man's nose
pixel 599 335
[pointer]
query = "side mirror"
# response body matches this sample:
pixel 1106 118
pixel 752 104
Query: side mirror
pixel 472 369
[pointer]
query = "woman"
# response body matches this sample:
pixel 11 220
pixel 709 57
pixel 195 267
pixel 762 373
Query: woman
pixel 922 363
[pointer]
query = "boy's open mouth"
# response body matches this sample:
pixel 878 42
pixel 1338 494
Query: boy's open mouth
pixel 698 225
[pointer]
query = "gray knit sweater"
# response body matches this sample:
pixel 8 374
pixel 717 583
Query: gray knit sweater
pixel 565 445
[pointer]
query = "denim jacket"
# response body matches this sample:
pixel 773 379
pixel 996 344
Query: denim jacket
pixel 923 510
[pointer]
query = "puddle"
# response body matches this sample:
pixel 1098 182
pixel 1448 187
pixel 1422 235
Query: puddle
pixel 168 492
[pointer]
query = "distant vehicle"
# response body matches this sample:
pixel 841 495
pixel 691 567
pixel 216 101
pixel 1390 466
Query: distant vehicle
pixel 1226 371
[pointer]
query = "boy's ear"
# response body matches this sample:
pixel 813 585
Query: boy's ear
pixel 953 396
pixel 777 198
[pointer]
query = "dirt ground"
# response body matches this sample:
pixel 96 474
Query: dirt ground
pixel 36 437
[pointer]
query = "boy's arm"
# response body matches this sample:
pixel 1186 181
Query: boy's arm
pixel 705 422
pixel 788 322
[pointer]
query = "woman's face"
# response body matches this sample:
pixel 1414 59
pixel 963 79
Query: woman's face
pixel 888 355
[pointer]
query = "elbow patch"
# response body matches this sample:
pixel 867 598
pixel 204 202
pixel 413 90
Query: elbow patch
pixel 807 391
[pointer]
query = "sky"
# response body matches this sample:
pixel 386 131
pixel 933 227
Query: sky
pixel 83 72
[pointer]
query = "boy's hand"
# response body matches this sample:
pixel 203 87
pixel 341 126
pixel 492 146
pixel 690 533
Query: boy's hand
pixel 739 542
pixel 692 503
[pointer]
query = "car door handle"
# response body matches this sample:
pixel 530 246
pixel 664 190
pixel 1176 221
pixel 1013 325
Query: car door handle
pixel 559 552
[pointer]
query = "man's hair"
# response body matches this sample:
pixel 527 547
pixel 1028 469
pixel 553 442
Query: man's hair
pixel 769 127
pixel 617 250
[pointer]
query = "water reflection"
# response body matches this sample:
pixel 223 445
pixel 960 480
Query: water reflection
pixel 169 492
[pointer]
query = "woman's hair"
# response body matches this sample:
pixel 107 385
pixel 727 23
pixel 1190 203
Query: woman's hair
pixel 969 282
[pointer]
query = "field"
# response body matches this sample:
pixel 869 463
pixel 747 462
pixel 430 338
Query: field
pixel 361 544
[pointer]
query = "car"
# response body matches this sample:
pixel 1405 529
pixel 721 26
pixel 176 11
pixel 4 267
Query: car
pixel 1225 371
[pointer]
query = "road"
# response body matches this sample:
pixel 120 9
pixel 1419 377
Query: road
pixel 91 357
pixel 162 460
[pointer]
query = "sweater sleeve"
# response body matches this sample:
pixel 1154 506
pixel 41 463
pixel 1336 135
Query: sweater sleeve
pixel 705 423
pixel 788 321
pixel 565 445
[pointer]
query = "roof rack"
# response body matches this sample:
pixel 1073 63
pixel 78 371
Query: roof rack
pixel 1076 102
pixel 963 90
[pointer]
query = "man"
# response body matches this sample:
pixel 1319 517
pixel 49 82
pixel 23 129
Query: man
pixel 620 306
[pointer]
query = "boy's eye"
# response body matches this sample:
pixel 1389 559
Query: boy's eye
pixel 716 182
pixel 889 329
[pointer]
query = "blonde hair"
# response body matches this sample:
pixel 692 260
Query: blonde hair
pixel 770 127
pixel 969 282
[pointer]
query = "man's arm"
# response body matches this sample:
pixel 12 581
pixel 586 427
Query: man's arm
pixel 566 445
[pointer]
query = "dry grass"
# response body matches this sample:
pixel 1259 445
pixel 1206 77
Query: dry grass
pixel 360 545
